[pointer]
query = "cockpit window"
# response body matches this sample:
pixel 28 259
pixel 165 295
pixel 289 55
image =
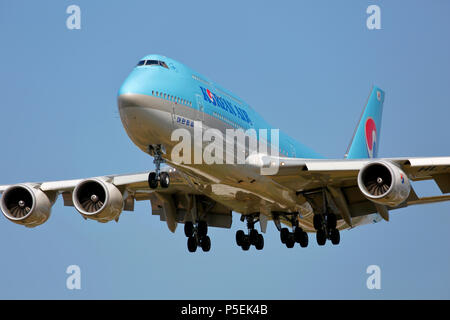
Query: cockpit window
pixel 153 63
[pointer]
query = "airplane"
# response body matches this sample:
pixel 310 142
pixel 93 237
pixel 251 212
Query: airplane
pixel 307 194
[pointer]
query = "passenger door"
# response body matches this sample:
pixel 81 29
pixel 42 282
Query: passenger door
pixel 201 109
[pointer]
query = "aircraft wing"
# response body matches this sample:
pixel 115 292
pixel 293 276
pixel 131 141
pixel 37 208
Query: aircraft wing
pixel 135 184
pixel 171 203
pixel 437 168
pixel 340 177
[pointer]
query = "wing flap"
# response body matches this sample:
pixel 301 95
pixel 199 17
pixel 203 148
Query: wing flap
pixel 443 181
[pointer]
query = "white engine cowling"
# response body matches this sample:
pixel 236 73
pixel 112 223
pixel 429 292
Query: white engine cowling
pixel 98 200
pixel 384 183
pixel 27 205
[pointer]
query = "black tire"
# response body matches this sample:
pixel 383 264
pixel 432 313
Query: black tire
pixel 335 236
pixel 202 229
pixel 164 179
pixel 331 221
pixel 284 234
pixel 298 234
pixel 240 237
pixel 245 243
pixel 188 229
pixel 192 244
pixel 304 240
pixel 290 241
pixel 152 181
pixel 317 221
pixel 206 244
pixel 253 236
pixel 321 237
pixel 260 242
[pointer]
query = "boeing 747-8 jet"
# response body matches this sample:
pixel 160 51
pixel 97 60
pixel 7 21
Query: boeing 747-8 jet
pixel 306 193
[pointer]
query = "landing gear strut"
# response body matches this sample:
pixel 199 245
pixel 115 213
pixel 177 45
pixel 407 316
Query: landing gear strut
pixel 297 234
pixel 197 236
pixel 157 176
pixel 253 237
pixel 325 225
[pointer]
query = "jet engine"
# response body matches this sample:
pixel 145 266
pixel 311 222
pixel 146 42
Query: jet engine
pixel 98 200
pixel 27 205
pixel 384 183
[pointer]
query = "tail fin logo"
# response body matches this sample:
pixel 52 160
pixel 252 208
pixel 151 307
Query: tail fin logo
pixel 378 95
pixel 371 136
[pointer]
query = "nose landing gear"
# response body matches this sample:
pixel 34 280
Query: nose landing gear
pixel 157 176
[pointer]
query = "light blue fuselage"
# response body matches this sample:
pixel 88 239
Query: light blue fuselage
pixel 178 83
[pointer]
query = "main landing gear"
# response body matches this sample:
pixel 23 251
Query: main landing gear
pixel 157 176
pixel 296 236
pixel 197 236
pixel 326 229
pixel 252 238
pixel 326 224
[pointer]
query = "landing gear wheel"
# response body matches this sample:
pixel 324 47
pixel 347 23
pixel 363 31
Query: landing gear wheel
pixel 298 234
pixel 321 237
pixel 164 179
pixel 304 240
pixel 152 180
pixel 192 244
pixel 317 221
pixel 206 244
pixel 290 241
pixel 240 237
pixel 284 234
pixel 188 229
pixel 331 221
pixel 246 243
pixel 202 229
pixel 260 242
pixel 253 236
pixel 335 236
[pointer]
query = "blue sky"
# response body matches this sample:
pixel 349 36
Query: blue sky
pixel 306 66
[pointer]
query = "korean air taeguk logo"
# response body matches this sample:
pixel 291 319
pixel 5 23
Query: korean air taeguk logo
pixel 371 136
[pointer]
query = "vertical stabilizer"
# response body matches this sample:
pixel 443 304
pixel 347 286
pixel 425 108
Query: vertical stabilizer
pixel 365 141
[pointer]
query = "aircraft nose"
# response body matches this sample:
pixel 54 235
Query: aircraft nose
pixel 127 100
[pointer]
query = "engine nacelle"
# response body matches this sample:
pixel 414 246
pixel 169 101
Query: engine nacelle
pixel 384 183
pixel 98 200
pixel 27 205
